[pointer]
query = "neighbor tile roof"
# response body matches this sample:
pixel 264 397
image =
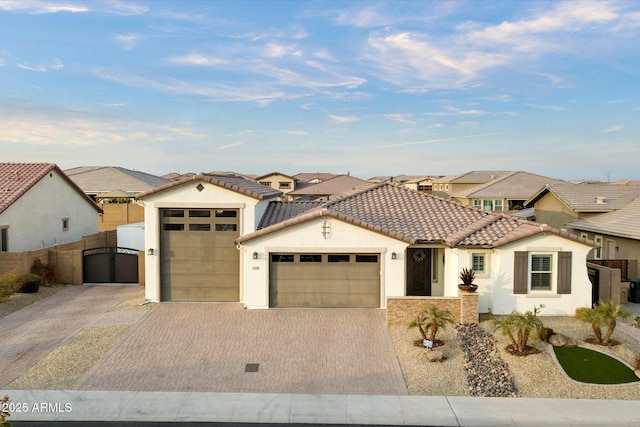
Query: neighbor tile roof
pixel 310 176
pixel 585 197
pixel 414 217
pixel 18 178
pixel 235 183
pixel 102 179
pixel 473 177
pixel 258 178
pixel 331 186
pixel 625 222
pixel 515 186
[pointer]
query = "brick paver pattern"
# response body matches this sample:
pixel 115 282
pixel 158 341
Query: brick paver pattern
pixel 206 347
pixel 28 335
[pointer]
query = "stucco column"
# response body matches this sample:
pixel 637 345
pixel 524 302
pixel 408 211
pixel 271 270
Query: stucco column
pixel 468 307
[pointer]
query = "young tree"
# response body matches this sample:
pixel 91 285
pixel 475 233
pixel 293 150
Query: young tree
pixel 518 327
pixel 437 319
pixel 605 313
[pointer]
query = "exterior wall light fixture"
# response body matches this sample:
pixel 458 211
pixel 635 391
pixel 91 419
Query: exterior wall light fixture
pixel 394 255
pixel 151 251
pixel 255 255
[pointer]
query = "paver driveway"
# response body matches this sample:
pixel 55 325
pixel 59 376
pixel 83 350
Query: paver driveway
pixel 206 347
pixel 30 334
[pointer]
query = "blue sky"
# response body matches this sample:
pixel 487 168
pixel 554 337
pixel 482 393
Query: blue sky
pixel 372 88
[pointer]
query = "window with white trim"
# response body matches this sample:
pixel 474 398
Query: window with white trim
pixel 65 224
pixel 598 251
pixel 541 277
pixel 479 263
pixel 4 239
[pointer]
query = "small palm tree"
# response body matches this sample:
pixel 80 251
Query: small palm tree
pixel 437 319
pixel 612 313
pixel 605 313
pixel 518 327
pixel 420 321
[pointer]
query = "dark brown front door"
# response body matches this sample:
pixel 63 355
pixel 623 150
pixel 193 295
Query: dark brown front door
pixel 419 272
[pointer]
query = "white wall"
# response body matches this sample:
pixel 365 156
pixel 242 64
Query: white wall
pixel 308 237
pixel 187 196
pixel 35 219
pixel 131 236
pixel 551 303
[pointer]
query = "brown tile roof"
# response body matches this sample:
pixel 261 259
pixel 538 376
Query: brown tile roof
pixel 18 178
pixel 235 183
pixel 310 176
pixel 258 178
pixel 515 185
pixel 589 197
pixel 473 177
pixel 331 186
pixel 414 217
pixel 625 222
pixel 103 179
pixel 281 211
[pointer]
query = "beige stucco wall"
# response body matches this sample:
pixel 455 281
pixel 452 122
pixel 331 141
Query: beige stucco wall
pixel 500 284
pixel 628 249
pixel 275 180
pixel 308 237
pixel 188 196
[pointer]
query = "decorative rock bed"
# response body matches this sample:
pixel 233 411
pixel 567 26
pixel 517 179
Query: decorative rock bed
pixel 487 374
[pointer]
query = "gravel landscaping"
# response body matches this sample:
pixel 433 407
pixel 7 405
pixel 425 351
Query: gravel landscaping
pixel 18 301
pixel 535 375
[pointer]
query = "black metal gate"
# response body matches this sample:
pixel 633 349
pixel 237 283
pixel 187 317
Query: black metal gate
pixel 594 277
pixel 110 265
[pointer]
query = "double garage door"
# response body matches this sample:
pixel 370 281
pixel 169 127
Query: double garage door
pixel 199 259
pixel 324 280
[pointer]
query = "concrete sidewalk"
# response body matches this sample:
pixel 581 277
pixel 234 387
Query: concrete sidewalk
pixel 77 405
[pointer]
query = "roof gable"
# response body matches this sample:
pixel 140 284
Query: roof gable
pixel 588 197
pixel 414 217
pixel 515 185
pixel 473 177
pixel 16 179
pixel 272 174
pixel 111 178
pixel 331 186
pixel 235 183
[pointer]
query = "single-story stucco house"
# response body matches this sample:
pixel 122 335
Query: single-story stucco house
pixel 217 238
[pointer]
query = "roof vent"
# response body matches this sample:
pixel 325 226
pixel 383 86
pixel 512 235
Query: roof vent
pixel 601 200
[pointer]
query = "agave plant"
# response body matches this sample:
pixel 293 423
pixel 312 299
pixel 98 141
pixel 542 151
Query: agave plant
pixel 467 276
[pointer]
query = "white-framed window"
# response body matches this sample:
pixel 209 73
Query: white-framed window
pixel 65 224
pixel 497 205
pixel 446 187
pixel 541 271
pixel 477 203
pixel 266 183
pixel 598 251
pixel 479 263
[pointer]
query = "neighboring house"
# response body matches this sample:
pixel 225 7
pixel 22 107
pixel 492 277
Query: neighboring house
pixel 506 193
pixel 98 180
pixel 384 240
pixel 617 232
pixel 331 186
pixel 559 204
pixel 313 177
pixel 447 186
pixel 190 231
pixel 279 181
pixel 41 207
pixel 423 184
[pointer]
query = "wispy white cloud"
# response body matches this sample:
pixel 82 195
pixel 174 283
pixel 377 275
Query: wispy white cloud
pixel 402 118
pixel 227 146
pixel 433 141
pixel 615 128
pixel 56 65
pixel 344 119
pixel 279 50
pixel 546 107
pixel 618 101
pixel 453 111
pixel 197 59
pixel 36 7
pixel 127 41
pixel 294 132
pixel 555 80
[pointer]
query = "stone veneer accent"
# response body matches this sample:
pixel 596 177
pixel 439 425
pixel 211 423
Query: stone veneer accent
pixel 401 310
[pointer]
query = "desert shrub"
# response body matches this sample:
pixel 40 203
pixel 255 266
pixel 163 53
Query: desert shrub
pixel 30 283
pixel 10 282
pixel 46 271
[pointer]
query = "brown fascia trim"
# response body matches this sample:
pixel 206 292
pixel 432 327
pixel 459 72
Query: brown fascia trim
pixel 202 177
pixel 454 238
pixel 530 229
pixel 319 213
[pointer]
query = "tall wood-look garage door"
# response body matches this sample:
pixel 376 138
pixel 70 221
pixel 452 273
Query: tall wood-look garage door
pixel 324 280
pixel 199 259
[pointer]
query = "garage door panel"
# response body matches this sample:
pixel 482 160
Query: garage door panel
pixel 324 284
pixel 199 259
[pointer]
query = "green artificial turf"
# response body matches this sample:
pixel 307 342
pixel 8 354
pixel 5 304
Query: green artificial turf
pixel 593 367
